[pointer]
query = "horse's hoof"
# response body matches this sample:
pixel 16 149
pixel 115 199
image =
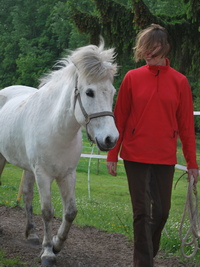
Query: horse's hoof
pixel 48 261
pixel 33 239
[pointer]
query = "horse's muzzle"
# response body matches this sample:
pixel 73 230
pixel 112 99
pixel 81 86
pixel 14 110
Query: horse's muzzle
pixel 107 144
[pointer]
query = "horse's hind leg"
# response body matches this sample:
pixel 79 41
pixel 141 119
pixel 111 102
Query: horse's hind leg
pixel 2 165
pixel 28 186
pixel 67 188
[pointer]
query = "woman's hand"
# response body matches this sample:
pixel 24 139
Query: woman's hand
pixel 112 168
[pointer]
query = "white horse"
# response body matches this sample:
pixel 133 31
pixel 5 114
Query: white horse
pixel 41 133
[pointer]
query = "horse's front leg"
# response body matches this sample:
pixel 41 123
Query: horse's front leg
pixel 67 188
pixel 2 165
pixel 44 186
pixel 28 187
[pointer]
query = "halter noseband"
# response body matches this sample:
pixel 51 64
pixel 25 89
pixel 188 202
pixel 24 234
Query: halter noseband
pixel 88 117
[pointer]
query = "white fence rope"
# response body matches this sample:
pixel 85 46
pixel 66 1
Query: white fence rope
pixel 91 156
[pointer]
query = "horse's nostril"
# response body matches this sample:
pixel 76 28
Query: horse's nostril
pixel 106 144
pixel 108 140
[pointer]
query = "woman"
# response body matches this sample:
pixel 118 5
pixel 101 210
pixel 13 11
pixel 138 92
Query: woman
pixel 154 107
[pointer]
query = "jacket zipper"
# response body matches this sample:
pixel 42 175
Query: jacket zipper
pixel 157 77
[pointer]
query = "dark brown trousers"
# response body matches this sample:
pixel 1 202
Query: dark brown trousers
pixel 150 187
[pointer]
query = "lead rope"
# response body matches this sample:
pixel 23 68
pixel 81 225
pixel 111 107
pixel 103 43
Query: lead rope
pixel 193 233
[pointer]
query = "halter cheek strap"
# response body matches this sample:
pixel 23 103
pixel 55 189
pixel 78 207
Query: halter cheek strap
pixel 88 117
pixel 91 116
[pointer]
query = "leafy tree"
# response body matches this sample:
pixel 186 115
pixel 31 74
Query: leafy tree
pixel 119 21
pixel 8 46
pixel 34 34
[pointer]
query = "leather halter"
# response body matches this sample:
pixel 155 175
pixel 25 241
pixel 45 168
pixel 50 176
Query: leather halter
pixel 88 117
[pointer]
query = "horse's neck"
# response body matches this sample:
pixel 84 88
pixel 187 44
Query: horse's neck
pixel 61 106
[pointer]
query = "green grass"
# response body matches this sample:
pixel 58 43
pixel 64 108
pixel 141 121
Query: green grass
pixel 5 262
pixel 105 204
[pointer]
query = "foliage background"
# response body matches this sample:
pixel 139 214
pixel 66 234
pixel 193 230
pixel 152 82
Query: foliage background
pixel 34 34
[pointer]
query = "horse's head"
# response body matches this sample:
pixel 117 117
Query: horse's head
pixel 94 94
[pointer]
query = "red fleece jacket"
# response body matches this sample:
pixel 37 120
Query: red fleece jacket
pixel 154 107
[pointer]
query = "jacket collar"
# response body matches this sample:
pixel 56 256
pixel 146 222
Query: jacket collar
pixel 156 68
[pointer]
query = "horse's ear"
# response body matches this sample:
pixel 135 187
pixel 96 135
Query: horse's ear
pixel 101 42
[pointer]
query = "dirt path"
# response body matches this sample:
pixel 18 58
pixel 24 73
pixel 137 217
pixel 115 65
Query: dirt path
pixel 84 247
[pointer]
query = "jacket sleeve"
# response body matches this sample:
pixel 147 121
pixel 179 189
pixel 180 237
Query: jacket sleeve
pixel 121 112
pixel 185 119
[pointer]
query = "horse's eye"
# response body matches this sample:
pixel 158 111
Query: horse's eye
pixel 90 93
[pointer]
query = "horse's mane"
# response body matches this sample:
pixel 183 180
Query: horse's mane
pixel 92 62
